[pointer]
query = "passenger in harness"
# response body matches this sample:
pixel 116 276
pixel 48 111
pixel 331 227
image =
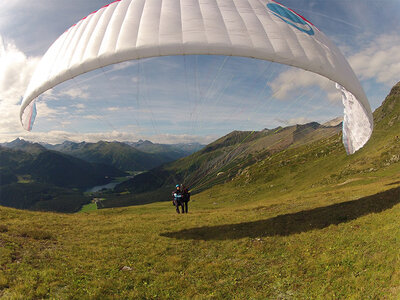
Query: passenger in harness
pixel 185 198
pixel 177 198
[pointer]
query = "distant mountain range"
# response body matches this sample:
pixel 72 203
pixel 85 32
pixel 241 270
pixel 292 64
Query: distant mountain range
pixel 20 144
pixel 127 156
pixel 119 155
pixel 170 152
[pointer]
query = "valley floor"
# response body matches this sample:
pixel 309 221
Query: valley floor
pixel 339 241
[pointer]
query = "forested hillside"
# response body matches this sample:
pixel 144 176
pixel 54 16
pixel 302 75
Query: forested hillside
pixel 36 178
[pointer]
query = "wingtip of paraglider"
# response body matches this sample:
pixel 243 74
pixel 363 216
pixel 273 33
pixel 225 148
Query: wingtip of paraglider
pixel 358 122
pixel 27 116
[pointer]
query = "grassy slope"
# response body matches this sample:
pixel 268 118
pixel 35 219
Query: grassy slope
pixel 277 248
pixel 306 223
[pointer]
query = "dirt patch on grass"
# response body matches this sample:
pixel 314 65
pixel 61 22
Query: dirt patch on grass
pixel 37 234
pixel 348 181
pixel 3 228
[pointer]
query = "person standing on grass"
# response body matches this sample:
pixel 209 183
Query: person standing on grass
pixel 185 198
pixel 177 196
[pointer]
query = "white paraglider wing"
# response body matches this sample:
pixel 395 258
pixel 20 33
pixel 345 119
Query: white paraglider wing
pixel 133 29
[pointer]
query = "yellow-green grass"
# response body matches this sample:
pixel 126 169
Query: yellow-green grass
pixel 24 179
pixel 88 207
pixel 334 241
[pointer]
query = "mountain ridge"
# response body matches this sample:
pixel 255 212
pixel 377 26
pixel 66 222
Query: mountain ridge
pixel 224 158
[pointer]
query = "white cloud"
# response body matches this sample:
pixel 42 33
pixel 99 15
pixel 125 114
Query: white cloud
pixel 9 118
pixel 380 60
pixel 76 93
pixel 114 108
pixel 295 121
pixel 44 111
pixel 15 72
pixel 288 83
pixel 123 65
pixel 73 93
pixel 91 117
pixel 183 138
pixel 79 105
pixel 49 95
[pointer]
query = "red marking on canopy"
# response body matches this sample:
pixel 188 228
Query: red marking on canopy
pixel 296 13
pixel 93 13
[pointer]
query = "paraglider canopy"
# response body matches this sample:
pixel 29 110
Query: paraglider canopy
pixel 133 29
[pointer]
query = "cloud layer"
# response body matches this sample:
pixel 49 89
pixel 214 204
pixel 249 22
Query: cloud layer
pixel 379 60
pixel 16 70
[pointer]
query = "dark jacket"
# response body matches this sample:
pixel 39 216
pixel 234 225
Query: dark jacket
pixel 185 195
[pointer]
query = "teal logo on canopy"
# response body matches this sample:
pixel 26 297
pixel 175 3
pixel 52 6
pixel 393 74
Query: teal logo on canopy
pixel 290 17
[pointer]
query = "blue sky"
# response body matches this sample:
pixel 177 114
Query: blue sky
pixel 192 98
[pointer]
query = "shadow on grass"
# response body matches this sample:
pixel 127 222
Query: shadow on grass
pixel 302 221
pixel 394 183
